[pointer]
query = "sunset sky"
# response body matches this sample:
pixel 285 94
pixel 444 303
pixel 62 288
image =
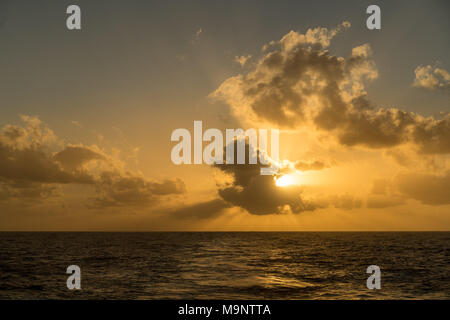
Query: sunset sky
pixel 87 115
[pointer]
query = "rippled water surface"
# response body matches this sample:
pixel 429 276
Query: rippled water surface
pixel 276 265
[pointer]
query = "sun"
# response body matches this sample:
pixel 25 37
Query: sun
pixel 285 181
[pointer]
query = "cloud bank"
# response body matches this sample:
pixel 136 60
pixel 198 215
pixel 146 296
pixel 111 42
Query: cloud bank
pixel 30 169
pixel 297 83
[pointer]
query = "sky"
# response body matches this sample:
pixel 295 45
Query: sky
pixel 86 116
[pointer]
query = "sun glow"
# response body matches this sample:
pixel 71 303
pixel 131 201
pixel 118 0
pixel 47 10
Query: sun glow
pixel 285 180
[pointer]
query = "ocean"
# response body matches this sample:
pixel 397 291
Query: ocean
pixel 225 265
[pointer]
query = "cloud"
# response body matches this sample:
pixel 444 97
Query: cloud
pixel 166 187
pixel 431 189
pixel 432 136
pixel 126 189
pixel 431 78
pixel 297 83
pixel 25 156
pixel 312 165
pixel 258 194
pixel 73 157
pixel 34 165
pixel 32 134
pixel 26 190
pixel 201 210
pixel 242 60
pixel 319 38
pixel 30 169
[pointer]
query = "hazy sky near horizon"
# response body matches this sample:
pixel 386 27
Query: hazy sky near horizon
pixel 87 115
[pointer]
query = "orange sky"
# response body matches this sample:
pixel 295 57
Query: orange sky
pixel 362 147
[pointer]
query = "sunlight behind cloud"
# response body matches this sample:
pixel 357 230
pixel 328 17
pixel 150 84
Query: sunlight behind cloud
pixel 285 181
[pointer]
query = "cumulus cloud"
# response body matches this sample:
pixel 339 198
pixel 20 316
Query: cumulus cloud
pixel 29 168
pixel 35 165
pixel 319 38
pixel 432 78
pixel 261 196
pixel 298 83
pixel 126 189
pixel 73 157
pixel 25 156
pixel 31 134
pixel 242 60
pixel 258 194
pixel 432 136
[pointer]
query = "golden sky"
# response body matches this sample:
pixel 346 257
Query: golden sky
pixel 87 117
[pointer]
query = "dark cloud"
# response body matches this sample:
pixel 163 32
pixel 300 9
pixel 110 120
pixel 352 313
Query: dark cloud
pixel 201 210
pixel 375 129
pixel 166 187
pixel 258 194
pixel 126 189
pixel 261 196
pixel 73 157
pixel 25 190
pixel 274 90
pixel 35 165
pixel 28 169
pixel 432 136
pixel 25 156
pixel 299 83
